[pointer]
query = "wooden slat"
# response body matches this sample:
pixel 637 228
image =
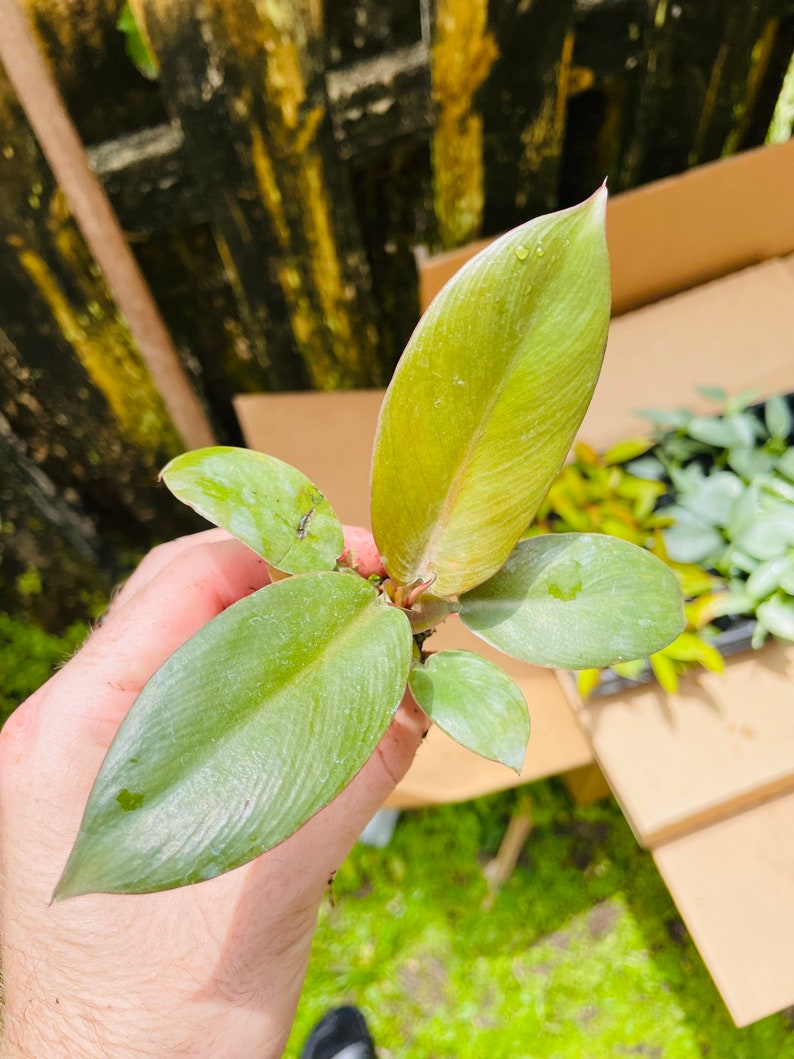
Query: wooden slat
pixel 248 90
pixel 41 101
pixel 524 105
pixel 696 84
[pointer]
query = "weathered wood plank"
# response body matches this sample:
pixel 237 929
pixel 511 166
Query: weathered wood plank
pixel 72 383
pixel 462 55
pixel 697 82
pixel 381 101
pixel 267 163
pixel 146 177
pixel 104 93
pixel 38 95
pixel 358 30
pixel 524 105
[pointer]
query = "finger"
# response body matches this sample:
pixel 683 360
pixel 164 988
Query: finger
pixel 156 560
pixel 361 553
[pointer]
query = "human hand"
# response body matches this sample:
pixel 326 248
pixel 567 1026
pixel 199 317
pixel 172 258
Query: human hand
pixel 213 969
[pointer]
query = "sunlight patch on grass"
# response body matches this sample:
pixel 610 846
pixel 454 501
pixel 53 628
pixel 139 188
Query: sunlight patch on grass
pixel 581 955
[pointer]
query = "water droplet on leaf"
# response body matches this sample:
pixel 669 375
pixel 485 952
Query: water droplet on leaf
pixel 539 250
pixel 521 252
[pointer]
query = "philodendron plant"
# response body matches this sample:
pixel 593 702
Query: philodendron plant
pixel 262 717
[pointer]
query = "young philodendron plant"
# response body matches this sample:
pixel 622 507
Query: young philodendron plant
pixel 261 718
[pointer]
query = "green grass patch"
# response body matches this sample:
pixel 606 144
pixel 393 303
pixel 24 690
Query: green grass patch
pixel 29 656
pixel 581 955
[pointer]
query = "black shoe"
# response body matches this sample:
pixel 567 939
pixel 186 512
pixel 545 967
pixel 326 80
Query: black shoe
pixel 340 1034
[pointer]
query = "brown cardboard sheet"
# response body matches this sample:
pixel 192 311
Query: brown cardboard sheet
pixel 329 437
pixel 722 742
pixel 733 883
pixel 682 231
pixel 734 332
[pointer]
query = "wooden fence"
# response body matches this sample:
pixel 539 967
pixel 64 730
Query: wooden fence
pixel 273 183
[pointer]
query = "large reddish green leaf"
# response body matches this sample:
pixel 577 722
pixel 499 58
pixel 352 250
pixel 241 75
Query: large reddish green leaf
pixel 486 400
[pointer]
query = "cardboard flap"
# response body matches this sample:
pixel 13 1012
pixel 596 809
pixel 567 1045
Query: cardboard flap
pixel 733 884
pixel 676 233
pixel 722 742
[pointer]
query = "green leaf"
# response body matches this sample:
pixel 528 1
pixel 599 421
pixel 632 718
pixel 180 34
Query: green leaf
pixel 264 502
pixel 475 703
pixel 690 539
pixel 787 576
pixel 646 467
pixel 665 671
pixel 632 670
pixel 722 433
pixel 778 418
pixel 776 615
pixel 624 451
pixel 765 579
pixel 745 511
pixel 577 601
pixel 249 729
pixel 486 400
pixel 664 419
pixel 714 499
pixel 713 393
pixel 136 44
pixel 751 462
pixel 770 537
pixel 786 464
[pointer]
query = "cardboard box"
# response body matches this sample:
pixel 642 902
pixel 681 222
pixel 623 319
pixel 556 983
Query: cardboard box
pixel 703 290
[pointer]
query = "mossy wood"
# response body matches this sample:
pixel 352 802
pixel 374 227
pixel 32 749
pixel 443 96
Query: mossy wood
pixel 81 409
pixel 277 228
pixel 280 204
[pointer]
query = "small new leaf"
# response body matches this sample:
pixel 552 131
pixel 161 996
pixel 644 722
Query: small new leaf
pixel 475 703
pixel 266 503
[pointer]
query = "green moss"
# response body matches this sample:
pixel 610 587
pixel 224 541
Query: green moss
pixel 29 582
pixel 582 954
pixel 28 657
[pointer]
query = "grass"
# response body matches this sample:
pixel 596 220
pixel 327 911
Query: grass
pixel 581 955
pixel 28 657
